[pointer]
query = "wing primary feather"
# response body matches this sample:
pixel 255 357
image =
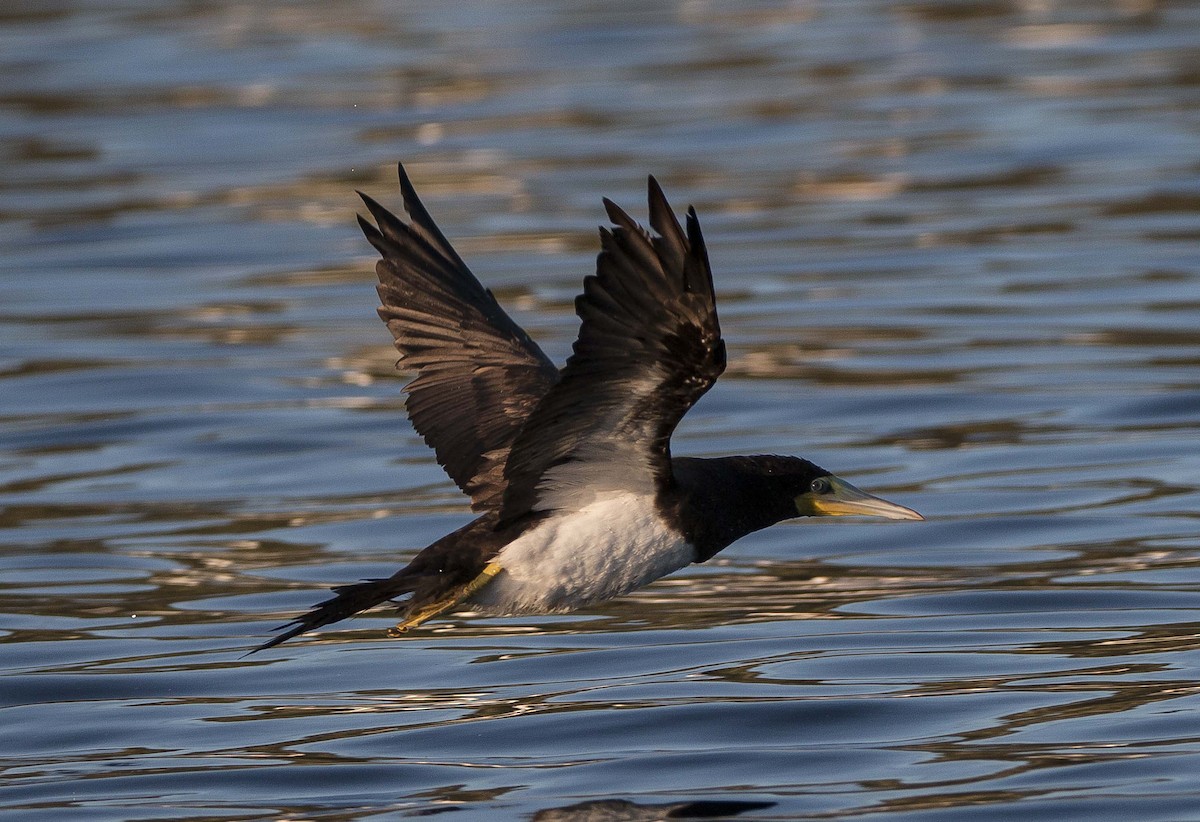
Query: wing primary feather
pixel 389 224
pixel 698 271
pixel 422 223
pixel 372 233
pixel 671 243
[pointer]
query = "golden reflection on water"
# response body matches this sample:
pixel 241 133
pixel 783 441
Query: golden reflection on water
pixel 954 244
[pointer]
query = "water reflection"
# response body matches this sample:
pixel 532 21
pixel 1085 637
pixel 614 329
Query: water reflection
pixel 620 810
pixel 955 245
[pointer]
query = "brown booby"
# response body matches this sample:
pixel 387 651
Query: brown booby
pixel 569 470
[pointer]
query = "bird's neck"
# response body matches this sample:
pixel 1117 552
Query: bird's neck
pixel 722 500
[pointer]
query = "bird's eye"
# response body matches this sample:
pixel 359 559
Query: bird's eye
pixel 820 486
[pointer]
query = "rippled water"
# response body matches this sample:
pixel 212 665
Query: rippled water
pixel 958 253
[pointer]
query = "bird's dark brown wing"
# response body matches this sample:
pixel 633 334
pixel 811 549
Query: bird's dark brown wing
pixel 649 346
pixel 478 374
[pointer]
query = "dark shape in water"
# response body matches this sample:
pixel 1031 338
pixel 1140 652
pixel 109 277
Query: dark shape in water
pixel 621 810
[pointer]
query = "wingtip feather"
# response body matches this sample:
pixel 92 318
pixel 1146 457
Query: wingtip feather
pixel 373 235
pixel 374 207
pixel 695 236
pixel 408 193
pixel 663 219
pixel 614 212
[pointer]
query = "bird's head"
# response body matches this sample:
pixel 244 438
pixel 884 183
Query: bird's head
pixel 814 492
pixel 830 496
pixel 726 498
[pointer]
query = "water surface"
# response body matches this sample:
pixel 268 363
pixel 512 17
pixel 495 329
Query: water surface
pixel 957 247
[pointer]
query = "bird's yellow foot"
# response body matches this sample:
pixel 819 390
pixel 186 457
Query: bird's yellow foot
pixel 444 604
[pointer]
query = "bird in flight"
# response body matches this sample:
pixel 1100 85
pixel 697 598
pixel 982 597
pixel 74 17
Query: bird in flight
pixel 569 470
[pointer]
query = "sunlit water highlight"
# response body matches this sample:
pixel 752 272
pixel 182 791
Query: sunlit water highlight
pixel 957 254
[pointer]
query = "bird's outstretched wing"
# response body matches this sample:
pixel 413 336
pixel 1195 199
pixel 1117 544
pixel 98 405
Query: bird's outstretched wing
pixel 649 346
pixel 478 374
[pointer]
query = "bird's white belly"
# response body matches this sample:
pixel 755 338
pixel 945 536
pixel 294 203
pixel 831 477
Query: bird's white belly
pixel 609 548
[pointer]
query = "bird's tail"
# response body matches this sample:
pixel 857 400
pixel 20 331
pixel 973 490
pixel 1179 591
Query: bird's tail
pixel 347 601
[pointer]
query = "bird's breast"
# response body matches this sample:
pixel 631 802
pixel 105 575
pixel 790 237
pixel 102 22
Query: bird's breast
pixel 604 550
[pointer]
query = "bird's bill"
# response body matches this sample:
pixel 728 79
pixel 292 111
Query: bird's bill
pixel 843 500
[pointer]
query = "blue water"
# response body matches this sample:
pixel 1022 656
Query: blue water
pixel 957 250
